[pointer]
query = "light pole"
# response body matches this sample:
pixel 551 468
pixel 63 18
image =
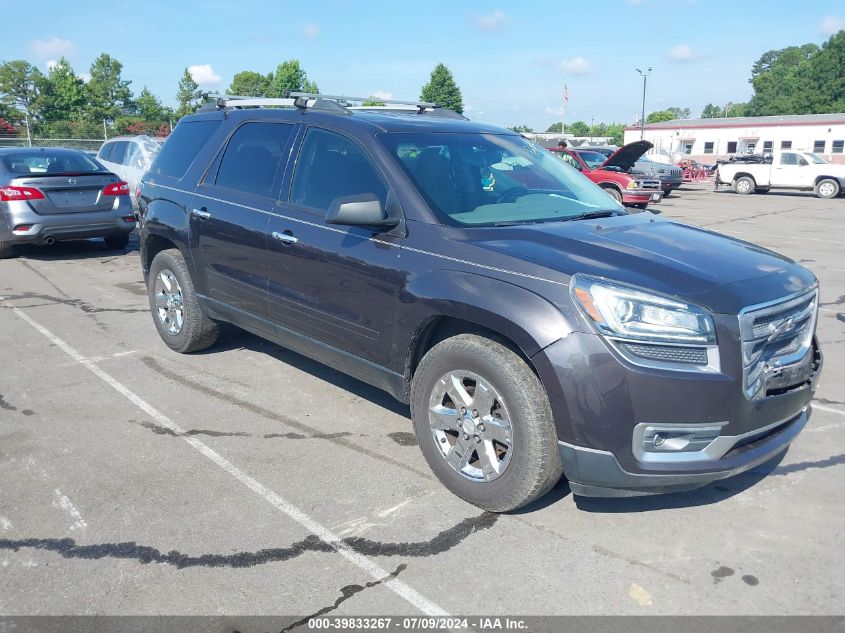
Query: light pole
pixel 645 76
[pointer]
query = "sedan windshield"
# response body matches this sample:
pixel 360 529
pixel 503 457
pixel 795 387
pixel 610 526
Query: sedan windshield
pixel 47 161
pixel 494 180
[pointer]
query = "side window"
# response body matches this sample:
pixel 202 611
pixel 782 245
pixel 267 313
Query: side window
pixel 252 156
pixel 331 166
pixel 182 147
pixel 566 158
pixel 105 151
pixel 118 153
pixel 788 158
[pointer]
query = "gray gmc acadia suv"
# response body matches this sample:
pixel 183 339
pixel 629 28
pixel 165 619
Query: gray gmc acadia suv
pixel 535 326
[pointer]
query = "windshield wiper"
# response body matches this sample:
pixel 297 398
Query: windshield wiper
pixel 589 215
pixel 516 222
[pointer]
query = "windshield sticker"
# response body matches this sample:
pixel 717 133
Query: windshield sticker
pixel 488 182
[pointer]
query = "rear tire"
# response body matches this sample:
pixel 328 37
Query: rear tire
pixel 827 188
pixel 176 311
pixel 7 250
pixel 117 242
pixel 511 404
pixel 744 185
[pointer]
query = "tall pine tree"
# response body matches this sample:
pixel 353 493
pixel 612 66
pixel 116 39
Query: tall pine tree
pixel 442 90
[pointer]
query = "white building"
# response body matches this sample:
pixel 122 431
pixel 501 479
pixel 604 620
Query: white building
pixel 705 140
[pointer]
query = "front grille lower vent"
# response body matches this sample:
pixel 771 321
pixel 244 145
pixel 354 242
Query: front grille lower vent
pixel 668 353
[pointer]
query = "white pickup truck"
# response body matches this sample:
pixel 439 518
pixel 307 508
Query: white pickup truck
pixel 789 169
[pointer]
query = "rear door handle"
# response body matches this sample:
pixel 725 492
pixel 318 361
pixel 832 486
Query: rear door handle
pixel 200 213
pixel 285 237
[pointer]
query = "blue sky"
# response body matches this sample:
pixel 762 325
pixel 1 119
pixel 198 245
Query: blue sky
pixel 509 58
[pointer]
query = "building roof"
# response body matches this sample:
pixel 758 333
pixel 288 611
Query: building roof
pixel 747 121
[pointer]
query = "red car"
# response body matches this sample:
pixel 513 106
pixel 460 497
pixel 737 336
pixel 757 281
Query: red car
pixel 615 174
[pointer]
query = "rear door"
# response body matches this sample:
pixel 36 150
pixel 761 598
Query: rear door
pixel 230 211
pixel 336 284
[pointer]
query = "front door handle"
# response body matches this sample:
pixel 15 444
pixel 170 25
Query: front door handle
pixel 200 213
pixel 285 237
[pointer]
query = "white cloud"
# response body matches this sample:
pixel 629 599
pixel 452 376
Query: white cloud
pixel 682 53
pixel 576 65
pixel 310 31
pixel 555 111
pixel 204 74
pixel 831 24
pixel 51 64
pixel 52 48
pixel 381 94
pixel 491 22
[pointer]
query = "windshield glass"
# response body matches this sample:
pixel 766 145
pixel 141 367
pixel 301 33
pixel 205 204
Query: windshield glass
pixel 50 162
pixel 593 159
pixel 815 158
pixel 491 179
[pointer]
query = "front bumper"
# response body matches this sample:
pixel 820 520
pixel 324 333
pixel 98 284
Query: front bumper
pixel 642 196
pixel 602 403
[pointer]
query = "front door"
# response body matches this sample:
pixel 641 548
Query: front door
pixel 335 284
pixel 230 212
pixel 791 170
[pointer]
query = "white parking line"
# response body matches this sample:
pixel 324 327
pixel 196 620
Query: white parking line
pixel 63 502
pixel 828 409
pixel 325 534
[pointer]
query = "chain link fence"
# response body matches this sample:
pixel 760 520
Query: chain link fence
pixel 84 144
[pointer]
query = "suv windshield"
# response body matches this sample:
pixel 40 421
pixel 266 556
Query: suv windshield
pixel 490 179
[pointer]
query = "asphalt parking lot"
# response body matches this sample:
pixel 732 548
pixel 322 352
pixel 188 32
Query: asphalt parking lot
pixel 250 480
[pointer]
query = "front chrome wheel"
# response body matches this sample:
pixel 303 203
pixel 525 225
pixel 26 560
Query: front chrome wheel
pixel 169 302
pixel 471 425
pixel 827 189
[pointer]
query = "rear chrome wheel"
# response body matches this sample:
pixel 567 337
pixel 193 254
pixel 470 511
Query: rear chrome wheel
pixel 471 425
pixel 169 303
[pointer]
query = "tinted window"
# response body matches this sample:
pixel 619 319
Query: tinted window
pixel 118 152
pixel 182 147
pixel 45 161
pixel 731 147
pixel 708 147
pixel 105 151
pixel 252 156
pixel 331 166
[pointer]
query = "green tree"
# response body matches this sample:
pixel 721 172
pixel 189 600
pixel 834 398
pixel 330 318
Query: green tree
pixel 578 128
pixel 372 101
pixel 660 115
pixel 442 90
pixel 108 94
pixel 150 107
pixel 616 133
pixel 735 109
pixel 711 111
pixel 554 128
pixel 187 95
pixel 679 113
pixel 826 75
pixel 290 76
pixel 781 80
pixel 63 93
pixel 248 83
pixel 20 87
pixel 522 128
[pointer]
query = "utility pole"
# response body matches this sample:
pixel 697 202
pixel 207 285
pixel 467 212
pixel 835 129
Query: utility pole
pixel 105 131
pixel 645 76
pixel 28 131
pixel 591 129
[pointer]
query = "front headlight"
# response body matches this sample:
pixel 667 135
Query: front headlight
pixel 625 311
pixel 633 184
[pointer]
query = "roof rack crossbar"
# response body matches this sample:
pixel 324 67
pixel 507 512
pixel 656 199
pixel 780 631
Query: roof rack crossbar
pixel 345 99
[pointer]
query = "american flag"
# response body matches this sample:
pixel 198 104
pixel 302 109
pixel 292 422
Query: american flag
pixel 565 93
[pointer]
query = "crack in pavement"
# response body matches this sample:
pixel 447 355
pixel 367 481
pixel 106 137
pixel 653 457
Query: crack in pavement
pixel 163 430
pixel 87 308
pixel 345 594
pixel 153 364
pixel 145 554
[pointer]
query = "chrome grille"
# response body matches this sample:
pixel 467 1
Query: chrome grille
pixel 776 336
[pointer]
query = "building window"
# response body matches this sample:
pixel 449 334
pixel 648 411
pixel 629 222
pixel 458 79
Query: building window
pixel 786 144
pixel 731 147
pixel 767 146
pixel 818 147
pixel 687 146
pixel 708 147
pixel 837 147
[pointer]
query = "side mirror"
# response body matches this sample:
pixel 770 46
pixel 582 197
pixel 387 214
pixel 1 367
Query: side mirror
pixel 359 210
pixel 803 162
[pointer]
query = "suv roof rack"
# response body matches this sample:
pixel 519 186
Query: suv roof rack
pixel 334 103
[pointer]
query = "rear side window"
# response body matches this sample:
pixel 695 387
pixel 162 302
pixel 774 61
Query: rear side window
pixel 182 147
pixel 330 166
pixel 105 151
pixel 118 152
pixel 252 156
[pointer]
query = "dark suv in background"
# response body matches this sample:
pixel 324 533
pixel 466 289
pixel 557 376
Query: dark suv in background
pixel 534 326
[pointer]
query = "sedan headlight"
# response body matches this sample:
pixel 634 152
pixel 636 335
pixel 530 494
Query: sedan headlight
pixel 647 328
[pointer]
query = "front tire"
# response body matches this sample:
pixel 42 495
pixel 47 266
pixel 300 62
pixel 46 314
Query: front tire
pixel 7 250
pixel 827 188
pixel 744 185
pixel 484 423
pixel 176 312
pixel 614 193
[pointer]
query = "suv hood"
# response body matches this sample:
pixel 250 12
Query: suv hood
pixel 713 270
pixel 625 157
